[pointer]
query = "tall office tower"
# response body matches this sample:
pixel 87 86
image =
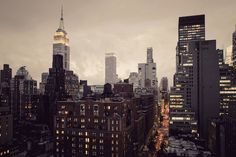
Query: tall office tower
pixel 190 28
pixel 43 82
pixel 55 87
pixel 5 82
pixel 61 44
pixel 133 79
pixel 6 121
pixel 5 74
pixel 227 88
pixel 110 68
pixel 147 72
pixel 22 86
pixel 149 55
pixel 6 129
pixel 227 84
pixel 205 94
pixel 234 48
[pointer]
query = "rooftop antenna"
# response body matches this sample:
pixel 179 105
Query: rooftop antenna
pixel 61 26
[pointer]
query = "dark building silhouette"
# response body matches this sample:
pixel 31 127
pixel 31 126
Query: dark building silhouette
pixel 205 91
pixel 6 119
pixel 55 87
pixel 190 28
pixel 22 86
pixel 85 89
pixel 6 74
pixel 227 84
pixel 222 138
pixel 124 90
pixel 107 92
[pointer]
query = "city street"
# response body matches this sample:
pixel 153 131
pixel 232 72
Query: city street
pixel 163 128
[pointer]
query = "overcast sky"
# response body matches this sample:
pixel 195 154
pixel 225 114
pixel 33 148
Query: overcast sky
pixel 95 27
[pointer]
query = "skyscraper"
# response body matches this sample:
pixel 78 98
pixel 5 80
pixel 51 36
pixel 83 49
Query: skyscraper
pixel 23 87
pixel 110 68
pixel 205 94
pixel 6 128
pixel 55 87
pixel 190 28
pixel 149 55
pixel 6 74
pixel 234 48
pixel 61 43
pixel 147 72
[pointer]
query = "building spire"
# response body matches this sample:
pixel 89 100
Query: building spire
pixel 61 26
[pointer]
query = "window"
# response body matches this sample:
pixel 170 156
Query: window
pixel 82 109
pixel 96 110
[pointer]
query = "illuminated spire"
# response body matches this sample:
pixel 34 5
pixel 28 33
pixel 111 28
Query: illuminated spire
pixel 61 26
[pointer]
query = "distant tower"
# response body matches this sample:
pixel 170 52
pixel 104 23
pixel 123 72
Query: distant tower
pixel 42 84
pixel 110 68
pixel 147 72
pixel 228 55
pixel 234 48
pixel 164 84
pixel 149 55
pixel 61 43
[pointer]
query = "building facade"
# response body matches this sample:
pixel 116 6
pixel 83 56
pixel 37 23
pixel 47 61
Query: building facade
pixel 94 128
pixel 190 28
pixel 110 68
pixel 43 82
pixel 206 76
pixel 147 72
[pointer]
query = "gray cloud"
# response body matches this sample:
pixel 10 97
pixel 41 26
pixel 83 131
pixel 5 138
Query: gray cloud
pixel 126 27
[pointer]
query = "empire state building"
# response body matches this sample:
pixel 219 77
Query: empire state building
pixel 61 43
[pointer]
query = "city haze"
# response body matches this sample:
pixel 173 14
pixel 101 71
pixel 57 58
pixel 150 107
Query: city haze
pixel 125 27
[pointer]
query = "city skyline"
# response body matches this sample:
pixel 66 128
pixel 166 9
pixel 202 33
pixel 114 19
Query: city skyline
pixel 105 71
pixel 92 34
